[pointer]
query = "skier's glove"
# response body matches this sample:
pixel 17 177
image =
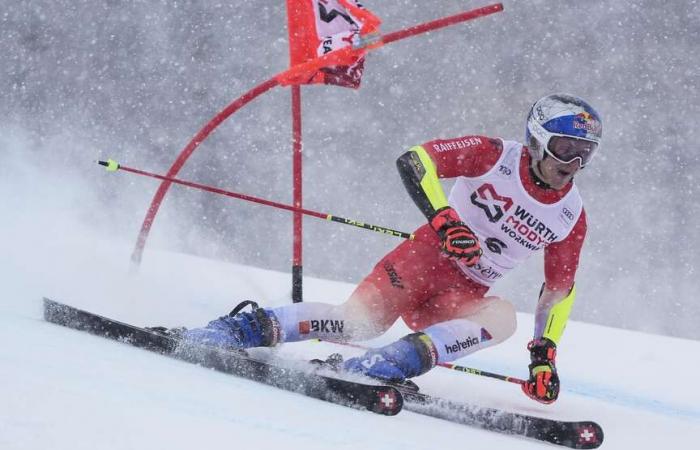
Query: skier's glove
pixel 543 384
pixel 458 241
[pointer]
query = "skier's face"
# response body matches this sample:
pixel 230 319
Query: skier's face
pixel 557 174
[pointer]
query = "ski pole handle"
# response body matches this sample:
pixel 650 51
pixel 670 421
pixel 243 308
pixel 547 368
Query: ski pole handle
pixel 370 227
pixel 482 373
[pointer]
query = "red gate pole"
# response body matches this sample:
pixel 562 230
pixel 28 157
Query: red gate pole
pixel 297 194
pixel 203 133
pixel 293 76
pixel 300 27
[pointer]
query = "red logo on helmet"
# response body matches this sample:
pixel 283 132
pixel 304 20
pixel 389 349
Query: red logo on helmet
pixel 585 121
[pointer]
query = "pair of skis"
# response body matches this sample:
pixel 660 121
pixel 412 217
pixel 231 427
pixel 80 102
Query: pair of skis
pixel 381 399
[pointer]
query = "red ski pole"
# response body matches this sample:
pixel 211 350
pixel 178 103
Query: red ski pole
pixel 113 166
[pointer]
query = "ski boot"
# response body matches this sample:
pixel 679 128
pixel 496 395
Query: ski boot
pixel 333 365
pixel 408 357
pixel 238 330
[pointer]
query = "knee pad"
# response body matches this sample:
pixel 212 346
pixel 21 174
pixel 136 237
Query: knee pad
pixel 485 327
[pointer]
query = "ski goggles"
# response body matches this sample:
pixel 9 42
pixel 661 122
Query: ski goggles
pixel 566 149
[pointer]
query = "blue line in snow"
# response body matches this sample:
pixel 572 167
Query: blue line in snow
pixel 630 400
pixel 615 396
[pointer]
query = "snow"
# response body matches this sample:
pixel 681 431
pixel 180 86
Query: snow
pixel 63 389
pixel 73 94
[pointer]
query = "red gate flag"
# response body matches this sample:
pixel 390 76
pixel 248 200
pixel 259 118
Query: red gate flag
pixel 325 41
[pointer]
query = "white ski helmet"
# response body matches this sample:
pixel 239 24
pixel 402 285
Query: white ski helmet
pixel 565 116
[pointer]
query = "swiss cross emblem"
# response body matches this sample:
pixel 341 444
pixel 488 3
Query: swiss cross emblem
pixel 587 435
pixel 387 399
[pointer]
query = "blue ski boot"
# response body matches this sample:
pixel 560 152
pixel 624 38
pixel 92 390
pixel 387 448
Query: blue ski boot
pixel 238 330
pixel 408 357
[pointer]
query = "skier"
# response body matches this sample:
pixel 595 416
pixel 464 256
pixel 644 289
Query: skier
pixel 508 202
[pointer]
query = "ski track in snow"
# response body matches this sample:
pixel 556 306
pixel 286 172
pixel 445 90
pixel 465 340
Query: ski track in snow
pixel 614 396
pixel 67 389
pixel 629 400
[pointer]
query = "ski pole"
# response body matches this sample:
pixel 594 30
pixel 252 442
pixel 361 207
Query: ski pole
pixel 451 366
pixel 482 373
pixel 113 166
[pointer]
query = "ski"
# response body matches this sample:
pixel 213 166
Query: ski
pixel 580 434
pixel 380 399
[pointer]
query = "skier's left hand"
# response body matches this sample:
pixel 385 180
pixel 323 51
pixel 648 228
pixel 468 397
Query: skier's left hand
pixel 543 384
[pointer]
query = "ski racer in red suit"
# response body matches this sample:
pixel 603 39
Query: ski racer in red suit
pixel 508 202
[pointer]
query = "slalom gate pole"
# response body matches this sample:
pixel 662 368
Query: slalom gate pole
pixel 113 166
pixel 294 75
pixel 451 366
pixel 297 199
pixel 442 23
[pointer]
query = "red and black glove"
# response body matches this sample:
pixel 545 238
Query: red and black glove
pixel 543 384
pixel 458 241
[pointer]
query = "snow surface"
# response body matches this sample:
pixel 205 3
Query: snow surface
pixel 63 389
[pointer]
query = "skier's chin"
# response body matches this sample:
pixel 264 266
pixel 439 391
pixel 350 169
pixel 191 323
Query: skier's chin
pixel 560 178
pixel 556 175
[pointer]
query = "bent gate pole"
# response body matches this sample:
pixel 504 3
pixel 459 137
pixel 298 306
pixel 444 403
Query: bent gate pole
pixel 283 79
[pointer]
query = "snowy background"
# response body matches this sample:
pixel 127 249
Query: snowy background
pixel 134 80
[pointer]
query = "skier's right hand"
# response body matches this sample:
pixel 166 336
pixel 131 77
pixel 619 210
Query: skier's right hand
pixel 458 241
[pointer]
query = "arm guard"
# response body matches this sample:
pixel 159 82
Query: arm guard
pixel 553 314
pixel 419 176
